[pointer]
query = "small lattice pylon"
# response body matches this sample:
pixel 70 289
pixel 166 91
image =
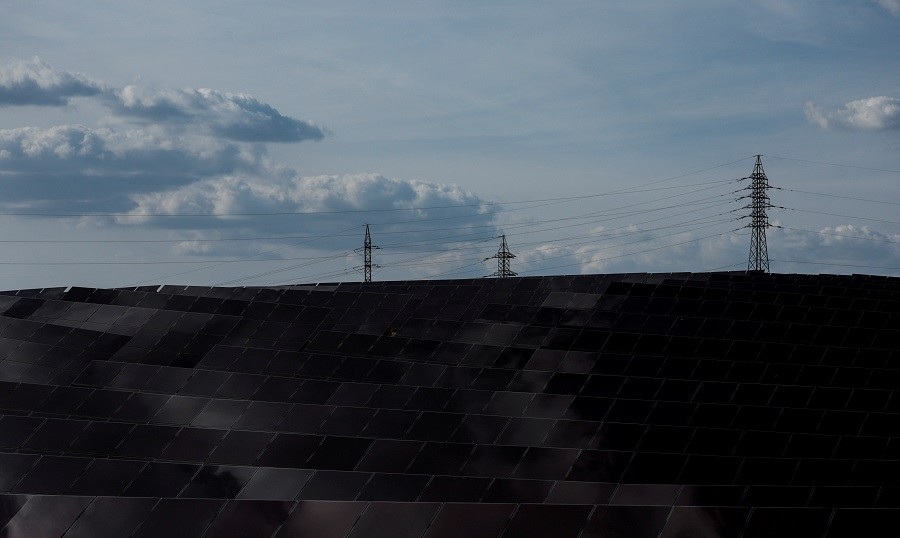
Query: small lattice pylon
pixel 367 256
pixel 503 256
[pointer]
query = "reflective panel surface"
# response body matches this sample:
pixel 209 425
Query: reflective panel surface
pixel 672 405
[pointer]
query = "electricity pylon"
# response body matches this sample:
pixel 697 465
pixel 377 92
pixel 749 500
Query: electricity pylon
pixel 367 256
pixel 758 260
pixel 503 256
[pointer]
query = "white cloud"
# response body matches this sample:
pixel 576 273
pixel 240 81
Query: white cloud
pixel 832 249
pixel 237 117
pixel 891 5
pixel 77 148
pixel 201 152
pixel 844 234
pixel 235 194
pixel 871 114
pixel 329 203
pixel 74 168
pixel 36 83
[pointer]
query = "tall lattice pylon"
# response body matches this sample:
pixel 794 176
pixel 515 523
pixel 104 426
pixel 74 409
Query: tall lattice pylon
pixel 503 256
pixel 367 256
pixel 758 260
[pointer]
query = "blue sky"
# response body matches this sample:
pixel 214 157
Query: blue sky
pixel 282 127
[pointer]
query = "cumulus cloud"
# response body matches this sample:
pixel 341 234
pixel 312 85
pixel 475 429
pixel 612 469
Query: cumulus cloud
pixel 316 204
pixel 36 83
pixel 844 234
pixel 871 114
pixel 203 153
pixel 791 250
pixel 237 117
pixel 891 5
pixel 832 249
pixel 154 141
pixel 303 194
pixel 74 168
pixel 230 116
pixel 842 248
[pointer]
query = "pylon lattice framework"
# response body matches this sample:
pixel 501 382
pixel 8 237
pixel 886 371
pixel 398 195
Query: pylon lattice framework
pixel 503 256
pixel 367 256
pixel 758 260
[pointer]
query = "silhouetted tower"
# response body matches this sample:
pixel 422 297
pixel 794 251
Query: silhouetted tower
pixel 503 256
pixel 367 256
pixel 759 221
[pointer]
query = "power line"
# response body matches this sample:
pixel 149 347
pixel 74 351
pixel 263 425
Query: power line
pixel 182 240
pixel 276 271
pixel 326 258
pixel 614 216
pixel 628 242
pixel 431 241
pixel 839 264
pixel 469 245
pixel 834 164
pixel 540 203
pixel 247 257
pixel 738 264
pixel 595 240
pixel 821 232
pixel 468 237
pixel 391 232
pixel 838 196
pixel 404 263
pixel 840 215
pixel 638 252
pixel 595 237
pixel 375 210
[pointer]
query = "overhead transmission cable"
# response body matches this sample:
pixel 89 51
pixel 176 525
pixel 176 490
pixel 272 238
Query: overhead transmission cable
pixel 531 232
pixel 808 161
pixel 610 214
pixel 637 189
pixel 839 264
pixel 431 241
pixel 837 196
pixel 695 240
pixel 832 234
pixel 410 262
pixel 613 216
pixel 480 262
pixel 249 256
pixel 840 215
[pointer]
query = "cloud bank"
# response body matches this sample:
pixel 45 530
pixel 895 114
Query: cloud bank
pixel 74 168
pixel 202 153
pixel 791 250
pixel 871 114
pixel 351 192
pixel 36 83
pixel 288 203
pixel 236 117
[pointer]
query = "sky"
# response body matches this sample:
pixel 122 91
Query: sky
pixel 239 143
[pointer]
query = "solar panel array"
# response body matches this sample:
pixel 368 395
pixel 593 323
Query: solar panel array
pixel 705 404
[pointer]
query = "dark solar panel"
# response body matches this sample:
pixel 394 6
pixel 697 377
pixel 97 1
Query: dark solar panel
pixel 724 404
